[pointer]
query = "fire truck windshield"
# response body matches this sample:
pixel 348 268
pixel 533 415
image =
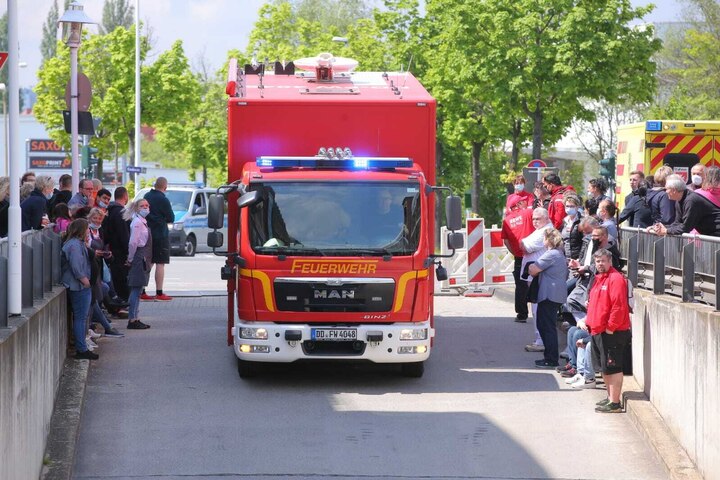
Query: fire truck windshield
pixel 336 218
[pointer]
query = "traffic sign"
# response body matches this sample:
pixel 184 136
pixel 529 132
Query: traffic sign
pixel 537 163
pixel 134 169
pixel 3 59
pixel 84 93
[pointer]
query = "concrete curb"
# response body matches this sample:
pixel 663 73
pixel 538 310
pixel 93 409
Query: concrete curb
pixel 647 420
pixel 652 427
pixel 65 421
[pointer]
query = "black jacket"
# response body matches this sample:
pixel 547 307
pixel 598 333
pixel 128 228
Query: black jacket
pixel 4 206
pixel 574 240
pixel 637 211
pixel 695 212
pixel 116 232
pixel 33 208
pixel 611 247
pixel 662 209
pixel 161 214
pixel 61 196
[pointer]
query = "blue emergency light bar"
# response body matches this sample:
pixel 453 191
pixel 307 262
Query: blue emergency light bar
pixel 653 126
pixel 352 163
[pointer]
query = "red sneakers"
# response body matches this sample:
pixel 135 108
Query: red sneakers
pixel 163 298
pixel 147 298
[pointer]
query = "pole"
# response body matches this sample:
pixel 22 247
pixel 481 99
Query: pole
pixel 75 162
pixel 14 285
pixel 5 126
pixel 138 134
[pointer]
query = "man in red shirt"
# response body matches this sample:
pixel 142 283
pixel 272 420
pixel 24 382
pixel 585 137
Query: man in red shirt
pixel 516 226
pixel 608 319
pixel 556 209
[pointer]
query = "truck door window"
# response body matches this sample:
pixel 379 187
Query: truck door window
pixel 336 218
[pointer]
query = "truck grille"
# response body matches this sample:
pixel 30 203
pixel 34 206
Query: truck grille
pixel 334 295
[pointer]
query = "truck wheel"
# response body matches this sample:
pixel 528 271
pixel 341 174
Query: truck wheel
pixel 190 246
pixel 247 369
pixel 413 370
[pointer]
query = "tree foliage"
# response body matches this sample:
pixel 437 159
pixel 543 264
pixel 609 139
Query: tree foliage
pixel 116 13
pixel 48 44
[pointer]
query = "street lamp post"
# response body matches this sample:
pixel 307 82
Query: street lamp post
pixel 72 21
pixel 3 89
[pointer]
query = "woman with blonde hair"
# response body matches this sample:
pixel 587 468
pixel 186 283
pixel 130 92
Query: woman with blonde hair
pixel 551 271
pixel 34 207
pixel 139 258
pixel 4 205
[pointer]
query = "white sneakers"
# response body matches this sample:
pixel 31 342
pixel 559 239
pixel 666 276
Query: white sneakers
pixel 93 335
pixel 582 382
pixel 90 344
pixel 574 378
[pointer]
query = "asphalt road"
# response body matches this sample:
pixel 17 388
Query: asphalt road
pixel 168 403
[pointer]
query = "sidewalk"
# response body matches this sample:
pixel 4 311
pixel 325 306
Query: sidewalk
pixel 645 418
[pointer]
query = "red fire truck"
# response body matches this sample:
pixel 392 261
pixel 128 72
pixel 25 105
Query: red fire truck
pixel 331 216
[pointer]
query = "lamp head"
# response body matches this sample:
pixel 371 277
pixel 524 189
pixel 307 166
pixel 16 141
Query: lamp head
pixel 72 21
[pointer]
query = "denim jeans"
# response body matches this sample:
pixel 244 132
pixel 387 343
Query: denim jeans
pixel 584 362
pixel 99 316
pixel 546 316
pixel 80 303
pixel 134 303
pixel 573 335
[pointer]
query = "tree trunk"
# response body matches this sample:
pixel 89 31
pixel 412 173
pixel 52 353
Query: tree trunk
pixel 515 155
pixel 476 150
pixel 537 118
pixel 116 179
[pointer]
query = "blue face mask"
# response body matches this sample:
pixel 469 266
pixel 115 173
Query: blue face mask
pixel 144 212
pixel 94 226
pixel 519 187
pixel 571 211
pixel 102 204
pixel 49 195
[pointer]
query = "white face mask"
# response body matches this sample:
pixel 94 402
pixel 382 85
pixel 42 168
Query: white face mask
pixel 697 180
pixel 519 187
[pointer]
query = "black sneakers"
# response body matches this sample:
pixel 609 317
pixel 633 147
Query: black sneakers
pixel 521 318
pixel 86 355
pixel 609 407
pixel 137 325
pixel 545 364
pixel 113 333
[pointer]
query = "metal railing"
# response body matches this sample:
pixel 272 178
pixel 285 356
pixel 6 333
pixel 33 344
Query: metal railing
pixel 686 266
pixel 40 268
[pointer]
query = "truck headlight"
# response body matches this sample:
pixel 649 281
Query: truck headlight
pixel 254 333
pixel 413 334
pixel 177 226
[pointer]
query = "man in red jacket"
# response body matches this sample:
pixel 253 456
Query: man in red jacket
pixel 517 225
pixel 608 319
pixel 556 209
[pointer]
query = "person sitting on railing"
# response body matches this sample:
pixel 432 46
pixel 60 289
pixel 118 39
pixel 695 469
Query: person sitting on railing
pixel 662 208
pixel 695 211
pixel 637 209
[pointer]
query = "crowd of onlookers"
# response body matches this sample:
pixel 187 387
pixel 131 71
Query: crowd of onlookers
pixel 568 265
pixel 109 246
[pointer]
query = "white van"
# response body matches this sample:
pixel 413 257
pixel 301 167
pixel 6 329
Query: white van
pixel 188 233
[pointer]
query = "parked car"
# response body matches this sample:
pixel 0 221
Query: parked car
pixel 188 233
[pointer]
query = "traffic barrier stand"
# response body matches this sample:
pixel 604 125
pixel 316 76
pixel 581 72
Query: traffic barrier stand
pixel 489 261
pixel 456 267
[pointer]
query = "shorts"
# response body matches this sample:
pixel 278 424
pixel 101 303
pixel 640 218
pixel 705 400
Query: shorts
pixel 609 351
pixel 161 250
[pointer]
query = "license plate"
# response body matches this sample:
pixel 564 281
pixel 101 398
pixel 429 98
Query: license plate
pixel 334 334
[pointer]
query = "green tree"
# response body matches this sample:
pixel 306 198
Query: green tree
pixel 168 90
pixel 116 13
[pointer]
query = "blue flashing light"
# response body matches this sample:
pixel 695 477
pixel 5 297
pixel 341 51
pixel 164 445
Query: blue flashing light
pixel 653 126
pixel 358 163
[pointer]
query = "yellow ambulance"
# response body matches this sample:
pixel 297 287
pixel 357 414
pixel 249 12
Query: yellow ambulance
pixel 649 145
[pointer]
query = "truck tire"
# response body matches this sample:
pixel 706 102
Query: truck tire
pixel 413 370
pixel 247 369
pixel 190 246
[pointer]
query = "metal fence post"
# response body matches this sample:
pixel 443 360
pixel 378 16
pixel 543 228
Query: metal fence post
pixel 27 281
pixel 47 264
pixel 3 292
pixel 688 272
pixel 659 266
pixel 56 258
pixel 633 259
pixel 37 266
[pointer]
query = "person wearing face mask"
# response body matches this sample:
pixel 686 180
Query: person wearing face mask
pixel 695 210
pixel 102 200
pixel 34 208
pixel 697 176
pixel 139 259
pixel 520 189
pixel 596 193
pixel 571 233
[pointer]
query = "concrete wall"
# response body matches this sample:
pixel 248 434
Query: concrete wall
pixel 32 352
pixel 676 360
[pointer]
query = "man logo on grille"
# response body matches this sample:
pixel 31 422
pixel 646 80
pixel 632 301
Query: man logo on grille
pixel 338 294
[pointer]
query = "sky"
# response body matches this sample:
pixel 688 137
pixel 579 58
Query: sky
pixel 208 28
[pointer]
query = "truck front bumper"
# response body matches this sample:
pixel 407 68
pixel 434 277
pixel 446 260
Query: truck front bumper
pixel 285 343
pixel 177 240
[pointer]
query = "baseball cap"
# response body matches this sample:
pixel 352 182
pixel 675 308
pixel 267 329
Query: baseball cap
pixel 513 200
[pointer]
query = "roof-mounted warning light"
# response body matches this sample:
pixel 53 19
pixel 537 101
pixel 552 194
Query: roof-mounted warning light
pixel 342 163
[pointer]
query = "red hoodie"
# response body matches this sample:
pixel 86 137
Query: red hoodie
pixel 608 307
pixel 556 209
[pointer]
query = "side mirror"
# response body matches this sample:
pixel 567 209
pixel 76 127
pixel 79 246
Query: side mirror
pixel 250 198
pixel 199 211
pixel 453 212
pixel 215 239
pixel 216 211
pixel 441 273
pixel 455 240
